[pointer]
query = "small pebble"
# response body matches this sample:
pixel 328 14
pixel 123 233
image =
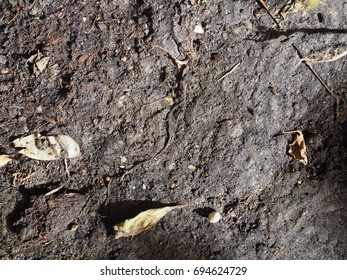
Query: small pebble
pixel 192 167
pixel 214 217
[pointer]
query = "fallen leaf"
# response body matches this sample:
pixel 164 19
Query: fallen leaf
pixel 199 29
pixel 170 100
pixel 42 63
pixel 143 221
pixel 4 159
pixel 297 149
pixel 47 147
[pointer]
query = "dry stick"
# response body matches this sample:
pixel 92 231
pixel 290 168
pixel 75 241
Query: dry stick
pixel 54 191
pixel 230 71
pixel 266 7
pixel 314 72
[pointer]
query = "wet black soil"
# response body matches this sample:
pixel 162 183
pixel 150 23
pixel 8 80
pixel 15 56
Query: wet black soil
pixel 158 123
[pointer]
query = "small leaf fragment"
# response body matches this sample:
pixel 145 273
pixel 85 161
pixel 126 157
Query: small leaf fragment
pixel 47 147
pixel 143 221
pixel 42 63
pixel 199 29
pixel 170 100
pixel 297 149
pixel 4 159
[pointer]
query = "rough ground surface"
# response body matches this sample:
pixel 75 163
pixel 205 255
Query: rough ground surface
pixel 113 82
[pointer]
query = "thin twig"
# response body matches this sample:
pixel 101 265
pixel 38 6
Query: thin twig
pixel 266 7
pixel 54 191
pixel 179 63
pixel 314 72
pixel 67 168
pixel 230 71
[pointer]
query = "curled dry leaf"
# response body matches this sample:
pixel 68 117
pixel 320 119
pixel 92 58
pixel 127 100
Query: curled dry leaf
pixel 297 149
pixel 143 221
pixel 4 159
pixel 47 147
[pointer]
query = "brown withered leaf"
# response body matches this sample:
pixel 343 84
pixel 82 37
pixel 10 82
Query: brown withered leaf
pixel 297 149
pixel 143 221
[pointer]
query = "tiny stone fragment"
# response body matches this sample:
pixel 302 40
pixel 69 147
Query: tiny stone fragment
pixel 192 167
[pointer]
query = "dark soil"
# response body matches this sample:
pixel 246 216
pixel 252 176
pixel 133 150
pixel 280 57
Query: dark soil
pixel 139 91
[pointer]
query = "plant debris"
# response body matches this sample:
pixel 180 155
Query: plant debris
pixel 143 221
pixel 323 57
pixel 47 147
pixel 199 29
pixel 39 62
pixel 4 159
pixel 295 6
pixel 297 149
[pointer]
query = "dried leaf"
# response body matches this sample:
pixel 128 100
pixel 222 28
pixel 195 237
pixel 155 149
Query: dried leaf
pixel 326 56
pixel 170 100
pixel 199 29
pixel 48 147
pixel 297 149
pixel 4 159
pixel 143 221
pixel 42 63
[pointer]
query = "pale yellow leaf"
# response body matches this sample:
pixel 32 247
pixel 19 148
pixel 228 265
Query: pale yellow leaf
pixel 47 147
pixel 143 221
